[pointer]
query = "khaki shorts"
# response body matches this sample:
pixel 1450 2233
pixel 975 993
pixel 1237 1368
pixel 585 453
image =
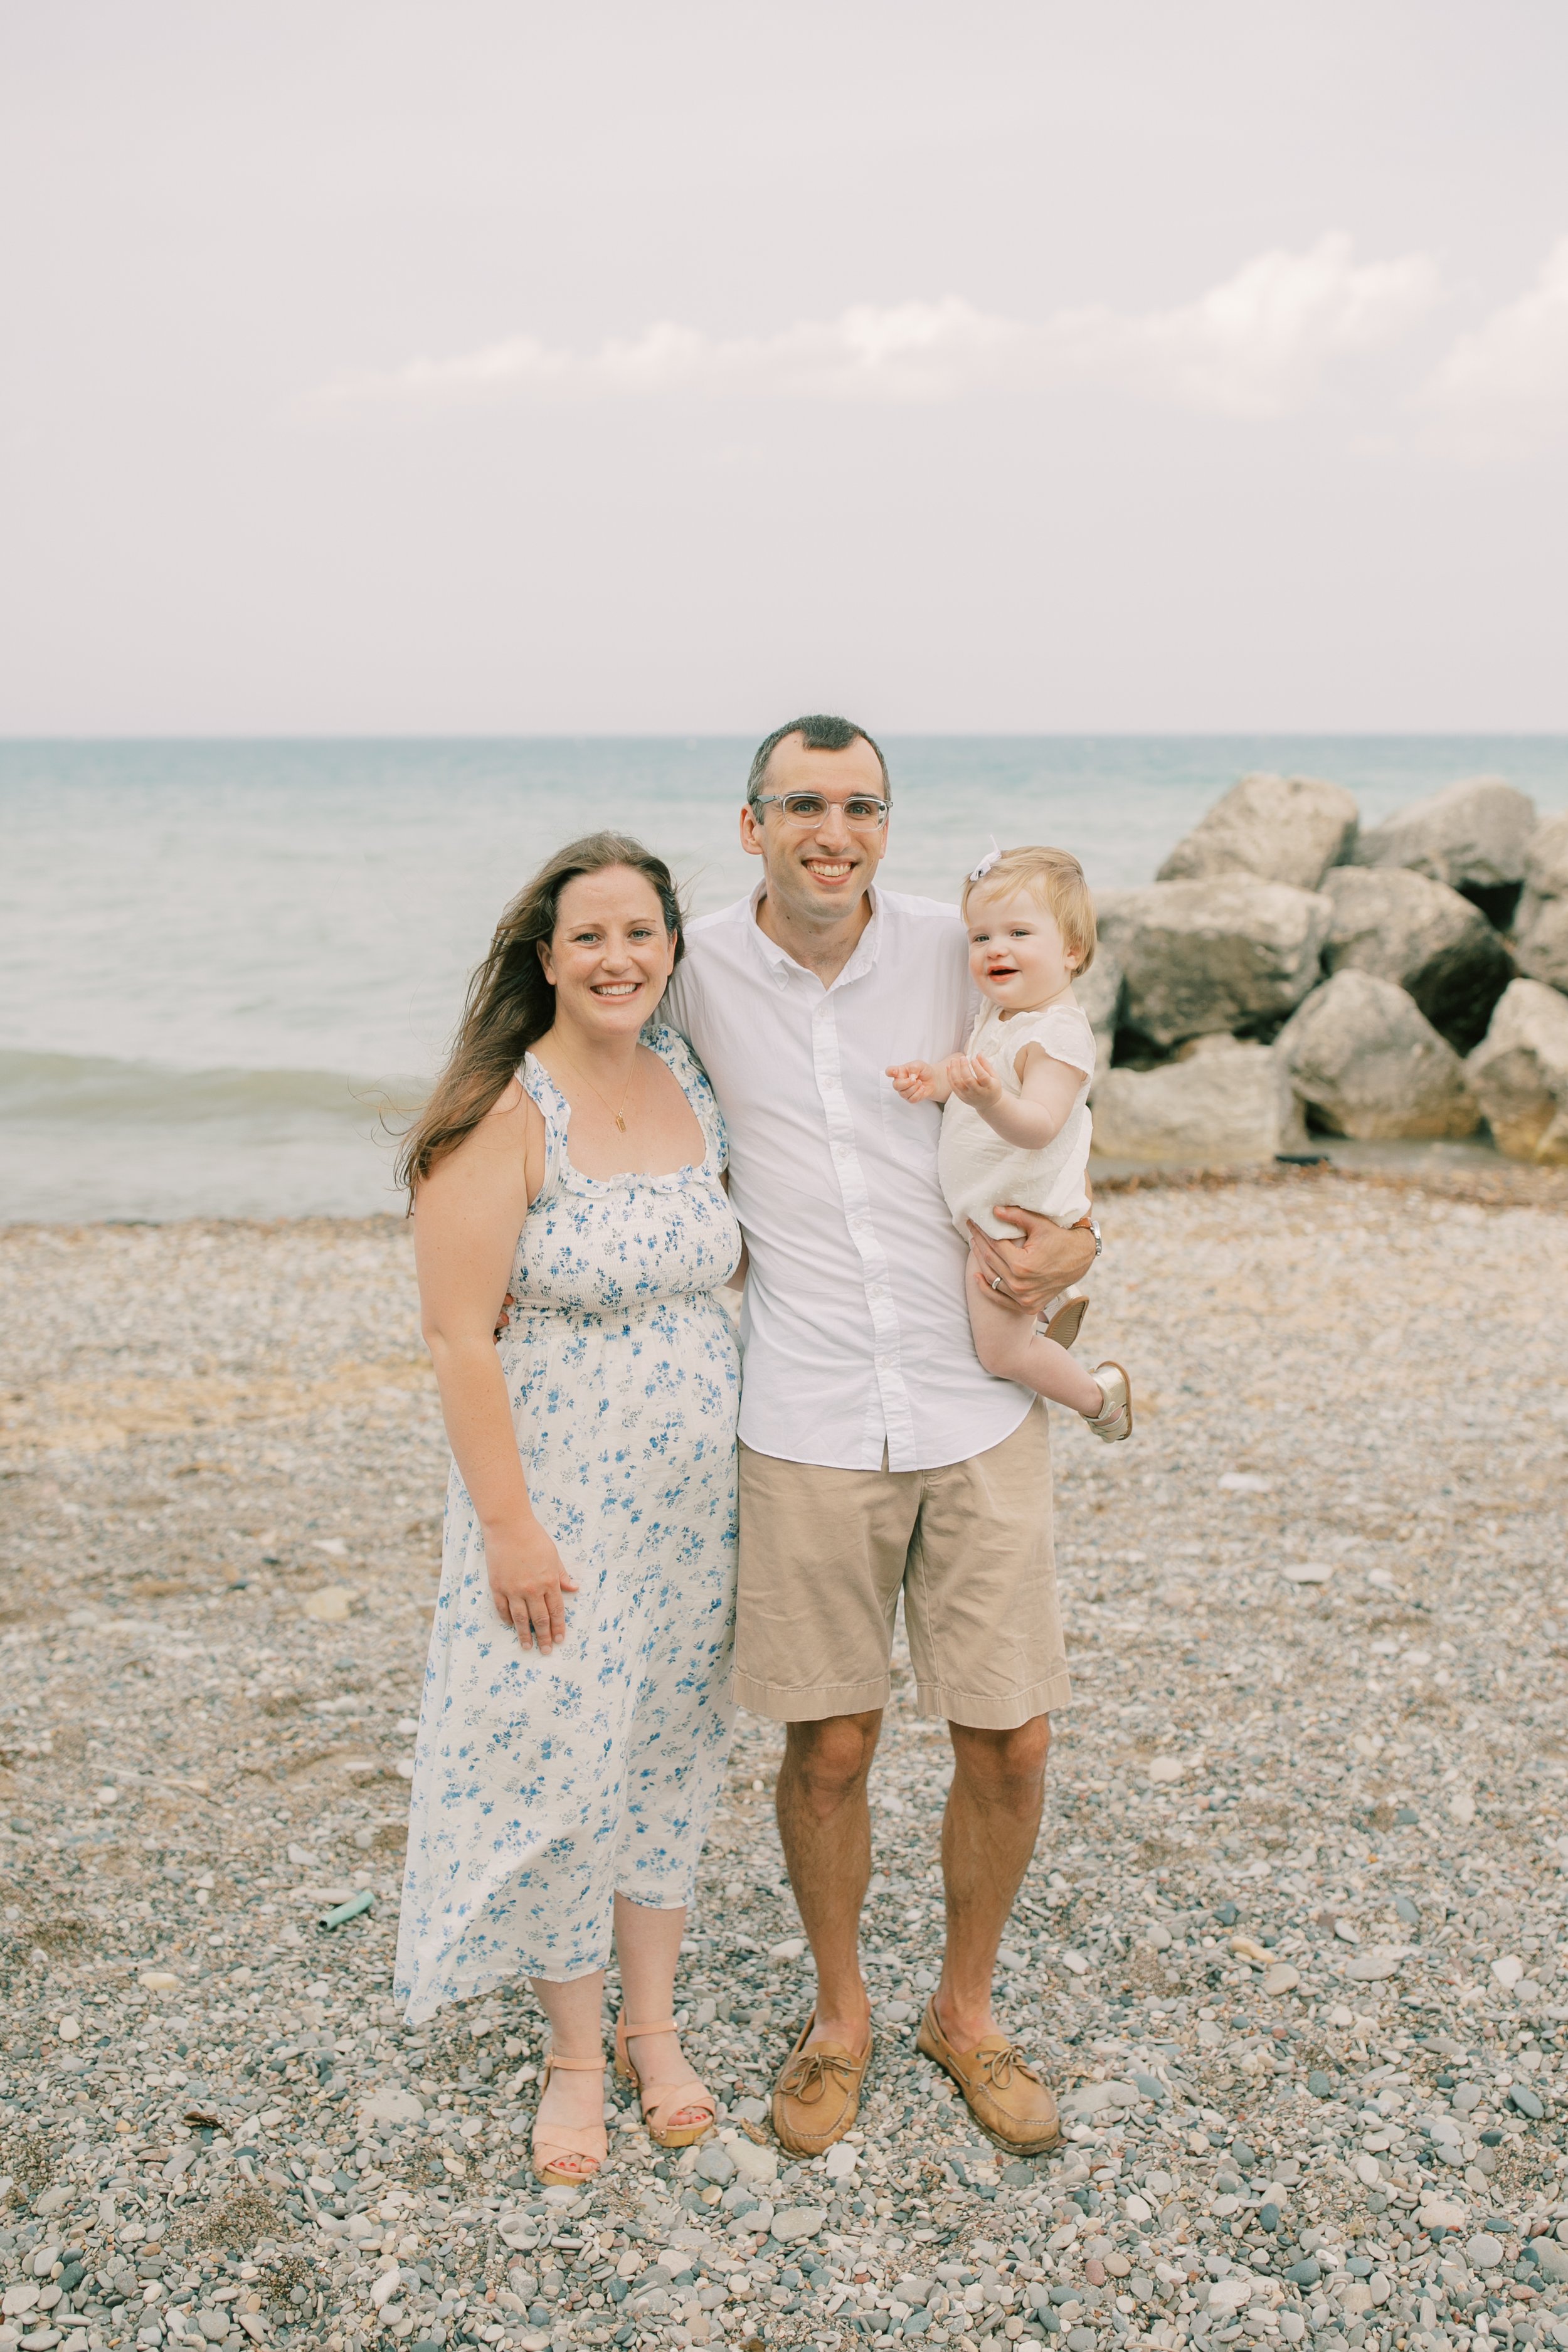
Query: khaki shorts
pixel 825 1554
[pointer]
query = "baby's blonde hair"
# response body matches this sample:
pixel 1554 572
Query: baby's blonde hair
pixel 1057 880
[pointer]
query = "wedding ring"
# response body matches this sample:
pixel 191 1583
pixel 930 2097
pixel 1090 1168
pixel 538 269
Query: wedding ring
pixel 995 1281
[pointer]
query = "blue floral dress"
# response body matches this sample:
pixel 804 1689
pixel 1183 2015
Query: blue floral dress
pixel 543 1787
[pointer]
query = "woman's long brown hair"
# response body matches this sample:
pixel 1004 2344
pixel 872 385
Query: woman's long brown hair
pixel 510 1004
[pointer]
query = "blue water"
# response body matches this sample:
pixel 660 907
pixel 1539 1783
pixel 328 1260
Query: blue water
pixel 218 958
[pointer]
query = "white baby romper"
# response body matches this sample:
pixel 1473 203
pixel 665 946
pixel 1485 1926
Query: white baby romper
pixel 976 1167
pixel 544 1786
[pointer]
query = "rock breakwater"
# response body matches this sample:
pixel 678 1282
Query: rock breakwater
pixel 1405 983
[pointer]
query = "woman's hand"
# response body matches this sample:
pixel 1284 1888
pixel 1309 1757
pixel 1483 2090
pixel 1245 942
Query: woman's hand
pixel 527 1582
pixel 917 1081
pixel 973 1081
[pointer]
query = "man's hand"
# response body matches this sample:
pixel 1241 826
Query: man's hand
pixel 1047 1259
pixel 972 1078
pixel 917 1081
pixel 528 1582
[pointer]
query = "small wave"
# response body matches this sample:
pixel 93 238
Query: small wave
pixel 80 1088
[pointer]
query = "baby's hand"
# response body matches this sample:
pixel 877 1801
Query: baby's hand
pixel 972 1080
pixel 917 1081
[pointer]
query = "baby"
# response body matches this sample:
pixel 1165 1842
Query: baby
pixel 1017 1124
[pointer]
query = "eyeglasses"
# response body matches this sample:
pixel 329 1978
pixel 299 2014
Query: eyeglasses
pixel 863 814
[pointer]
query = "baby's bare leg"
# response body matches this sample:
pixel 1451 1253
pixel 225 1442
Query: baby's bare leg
pixel 1010 1349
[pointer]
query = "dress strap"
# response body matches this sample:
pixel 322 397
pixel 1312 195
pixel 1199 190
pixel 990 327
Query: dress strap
pixel 555 1112
pixel 692 1079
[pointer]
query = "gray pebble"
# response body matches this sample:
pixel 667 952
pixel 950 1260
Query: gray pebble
pixel 1141 1879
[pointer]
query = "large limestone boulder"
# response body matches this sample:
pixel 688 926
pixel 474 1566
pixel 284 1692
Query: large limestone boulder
pixel 1424 937
pixel 1100 993
pixel 1221 1103
pixel 1201 957
pixel 1281 828
pixel 1473 837
pixel 1364 1061
pixel 1541 926
pixel 1520 1073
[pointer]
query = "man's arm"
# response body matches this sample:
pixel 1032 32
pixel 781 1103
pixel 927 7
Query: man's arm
pixel 1025 1273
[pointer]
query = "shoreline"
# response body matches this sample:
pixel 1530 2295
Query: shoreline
pixel 1493 1181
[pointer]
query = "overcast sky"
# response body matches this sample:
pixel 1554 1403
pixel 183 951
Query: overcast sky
pixel 1009 365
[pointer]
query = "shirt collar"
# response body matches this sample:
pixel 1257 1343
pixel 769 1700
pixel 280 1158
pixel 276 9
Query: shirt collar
pixel 783 965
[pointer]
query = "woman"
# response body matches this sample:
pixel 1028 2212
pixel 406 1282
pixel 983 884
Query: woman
pixel 567 1179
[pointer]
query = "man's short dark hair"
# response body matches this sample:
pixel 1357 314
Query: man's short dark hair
pixel 818 733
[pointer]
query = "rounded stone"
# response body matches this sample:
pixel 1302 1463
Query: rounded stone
pixel 798 2222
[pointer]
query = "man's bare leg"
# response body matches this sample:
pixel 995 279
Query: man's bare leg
pixel 988 1835
pixel 825 1826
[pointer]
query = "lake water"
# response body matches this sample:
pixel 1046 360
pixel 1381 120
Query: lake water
pixel 219 960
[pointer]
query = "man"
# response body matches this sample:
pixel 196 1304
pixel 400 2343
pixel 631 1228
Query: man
pixel 875 1454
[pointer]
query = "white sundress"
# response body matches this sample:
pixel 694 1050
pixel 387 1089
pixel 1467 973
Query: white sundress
pixel 543 1787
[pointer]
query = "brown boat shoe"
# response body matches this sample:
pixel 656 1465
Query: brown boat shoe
pixel 817 2096
pixel 1009 2100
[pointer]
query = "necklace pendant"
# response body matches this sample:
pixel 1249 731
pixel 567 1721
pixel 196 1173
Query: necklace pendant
pixel 620 1122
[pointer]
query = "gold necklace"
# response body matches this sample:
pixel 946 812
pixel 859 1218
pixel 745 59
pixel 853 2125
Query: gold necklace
pixel 615 1114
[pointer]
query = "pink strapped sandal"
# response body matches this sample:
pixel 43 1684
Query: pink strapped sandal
pixel 553 2144
pixel 670 2098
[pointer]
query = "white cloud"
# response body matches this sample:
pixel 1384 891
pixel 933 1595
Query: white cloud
pixel 1253 346
pixel 1257 344
pixel 913 351
pixel 1508 379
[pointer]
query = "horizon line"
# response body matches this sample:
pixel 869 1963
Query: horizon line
pixel 732 735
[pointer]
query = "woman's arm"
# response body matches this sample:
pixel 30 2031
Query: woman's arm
pixel 467 1218
pixel 1031 1118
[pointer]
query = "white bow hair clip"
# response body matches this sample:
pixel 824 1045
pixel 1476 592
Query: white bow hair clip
pixel 978 873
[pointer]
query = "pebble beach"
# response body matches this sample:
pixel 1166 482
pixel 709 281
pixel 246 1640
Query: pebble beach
pixel 1292 1948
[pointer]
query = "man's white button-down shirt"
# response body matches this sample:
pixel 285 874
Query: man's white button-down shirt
pixel 855 1329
